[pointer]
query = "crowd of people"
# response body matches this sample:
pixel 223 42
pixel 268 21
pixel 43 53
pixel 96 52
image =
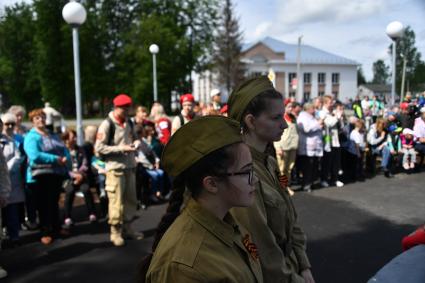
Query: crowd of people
pixel 319 143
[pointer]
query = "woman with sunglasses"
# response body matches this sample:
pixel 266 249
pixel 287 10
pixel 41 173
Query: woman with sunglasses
pixel 202 242
pixel 15 160
pixel 272 220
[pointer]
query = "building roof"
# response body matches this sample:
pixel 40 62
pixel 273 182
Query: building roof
pixel 378 87
pixel 309 54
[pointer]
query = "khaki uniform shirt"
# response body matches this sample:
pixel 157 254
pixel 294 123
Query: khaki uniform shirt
pixel 272 221
pixel 115 158
pixel 199 247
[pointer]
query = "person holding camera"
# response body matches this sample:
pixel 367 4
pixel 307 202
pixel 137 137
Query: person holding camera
pixel 116 145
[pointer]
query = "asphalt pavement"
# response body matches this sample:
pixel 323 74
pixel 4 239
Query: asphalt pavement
pixel 352 232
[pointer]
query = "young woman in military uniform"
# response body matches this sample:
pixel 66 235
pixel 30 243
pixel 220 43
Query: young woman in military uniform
pixel 272 219
pixel 213 172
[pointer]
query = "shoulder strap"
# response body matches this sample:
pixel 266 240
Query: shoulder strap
pixel 181 119
pixel 111 132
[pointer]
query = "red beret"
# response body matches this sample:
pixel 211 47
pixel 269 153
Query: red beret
pixel 186 97
pixel 122 100
pixel 404 105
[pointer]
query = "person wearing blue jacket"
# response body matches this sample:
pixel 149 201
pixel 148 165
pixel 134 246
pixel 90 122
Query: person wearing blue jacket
pixel 48 159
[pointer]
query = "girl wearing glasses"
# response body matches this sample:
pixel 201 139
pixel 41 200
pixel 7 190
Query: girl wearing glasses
pixel 272 219
pixel 201 242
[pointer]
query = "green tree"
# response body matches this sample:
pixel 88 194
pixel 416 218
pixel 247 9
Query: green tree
pixel 360 76
pixel 54 55
pixel 406 46
pixel 19 82
pixel 380 72
pixel 227 53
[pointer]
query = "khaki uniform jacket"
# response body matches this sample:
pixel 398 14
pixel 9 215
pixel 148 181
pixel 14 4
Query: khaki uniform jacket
pixel 115 158
pixel 199 247
pixel 272 221
pixel 289 139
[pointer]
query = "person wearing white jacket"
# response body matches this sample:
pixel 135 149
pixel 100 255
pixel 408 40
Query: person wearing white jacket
pixel 310 147
pixel 4 191
pixel 331 161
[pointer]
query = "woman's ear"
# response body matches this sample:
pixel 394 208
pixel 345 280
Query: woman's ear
pixel 249 121
pixel 210 184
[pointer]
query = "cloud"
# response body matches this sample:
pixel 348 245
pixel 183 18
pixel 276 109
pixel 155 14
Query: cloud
pixel 262 29
pixel 369 40
pixel 295 12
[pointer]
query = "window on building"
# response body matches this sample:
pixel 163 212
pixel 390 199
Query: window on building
pixel 321 78
pixel 292 94
pixel 335 94
pixel 291 76
pixel 256 74
pixel 307 78
pixel 306 96
pixel 335 78
pixel 321 93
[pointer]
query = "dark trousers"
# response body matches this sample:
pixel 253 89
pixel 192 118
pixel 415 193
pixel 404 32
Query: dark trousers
pixel 11 214
pixel 309 168
pixel 47 189
pixel 142 184
pixel 330 165
pixel 30 205
pixel 70 196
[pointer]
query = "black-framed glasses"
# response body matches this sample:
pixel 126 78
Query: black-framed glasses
pixel 10 124
pixel 250 174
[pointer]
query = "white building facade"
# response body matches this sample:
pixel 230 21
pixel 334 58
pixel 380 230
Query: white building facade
pixel 321 72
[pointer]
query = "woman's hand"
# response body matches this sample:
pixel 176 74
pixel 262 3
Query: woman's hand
pixel 308 277
pixel 78 179
pixel 61 160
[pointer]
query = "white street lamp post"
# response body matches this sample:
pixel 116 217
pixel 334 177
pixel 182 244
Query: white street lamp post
pixel 403 78
pixel 75 15
pixel 154 49
pixel 394 31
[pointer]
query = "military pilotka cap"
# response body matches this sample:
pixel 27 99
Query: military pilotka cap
pixel 197 139
pixel 242 95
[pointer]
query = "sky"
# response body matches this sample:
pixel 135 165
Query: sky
pixel 351 28
pixel 354 29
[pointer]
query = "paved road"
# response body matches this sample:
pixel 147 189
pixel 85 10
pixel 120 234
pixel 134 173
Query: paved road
pixel 352 231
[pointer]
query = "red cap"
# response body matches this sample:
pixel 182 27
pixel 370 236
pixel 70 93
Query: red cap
pixel 122 100
pixel 404 105
pixel 224 109
pixel 186 97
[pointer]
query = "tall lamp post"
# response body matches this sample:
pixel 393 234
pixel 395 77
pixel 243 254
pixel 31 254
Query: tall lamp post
pixel 403 77
pixel 75 15
pixel 154 49
pixel 394 31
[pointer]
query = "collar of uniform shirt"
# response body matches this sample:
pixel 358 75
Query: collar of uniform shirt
pixel 119 120
pixel 222 229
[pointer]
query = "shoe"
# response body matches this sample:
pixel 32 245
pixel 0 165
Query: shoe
pixel 324 184
pixel 129 233
pixel 307 189
pixel 412 165
pixel 388 174
pixel 31 226
pixel 116 237
pixel 92 218
pixel 406 166
pixel 46 240
pixel 339 184
pixel 3 273
pixel 79 194
pixel 67 223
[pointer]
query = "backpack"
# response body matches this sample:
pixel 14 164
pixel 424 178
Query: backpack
pixel 111 134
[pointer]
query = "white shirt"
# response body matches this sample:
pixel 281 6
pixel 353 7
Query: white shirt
pixel 358 138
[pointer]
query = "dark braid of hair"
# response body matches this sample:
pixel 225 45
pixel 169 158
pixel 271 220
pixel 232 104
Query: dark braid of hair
pixel 214 164
pixel 259 104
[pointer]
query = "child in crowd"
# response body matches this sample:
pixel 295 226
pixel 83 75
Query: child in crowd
pixel 409 153
pixel 358 137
